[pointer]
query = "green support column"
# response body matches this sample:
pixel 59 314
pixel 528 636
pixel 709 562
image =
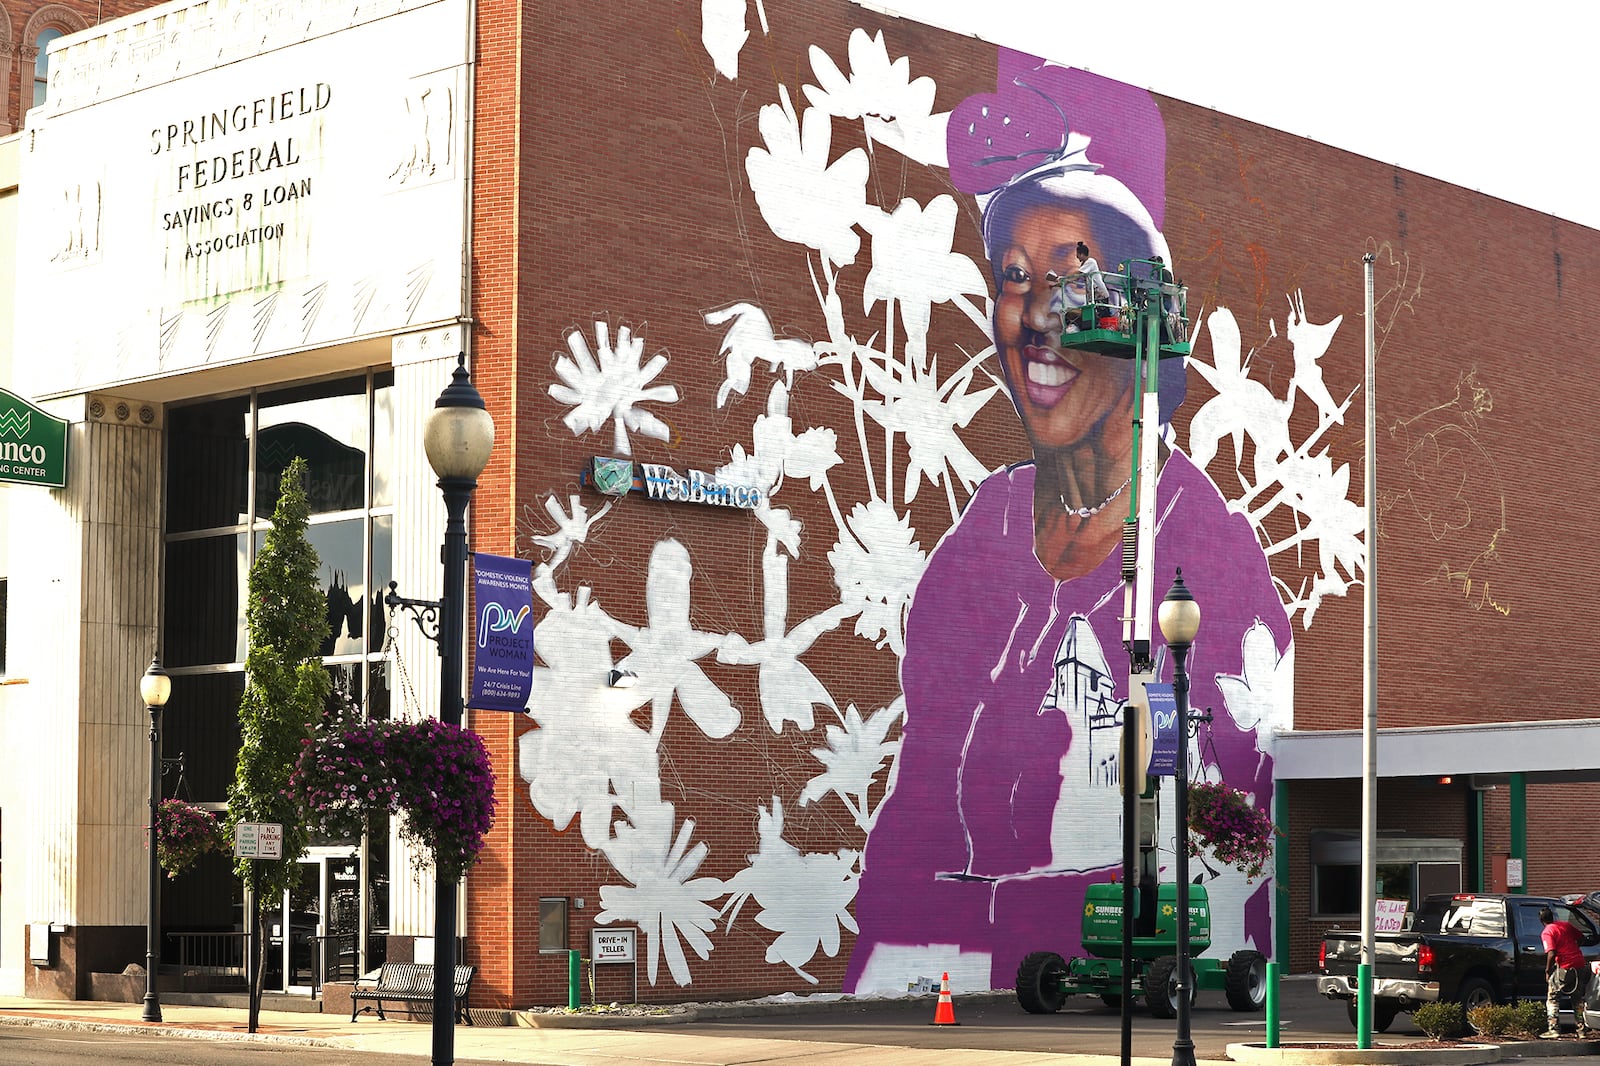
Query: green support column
pixel 1519 826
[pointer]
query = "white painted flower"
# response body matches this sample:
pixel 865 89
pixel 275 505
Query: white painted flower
pixel 586 754
pixel 896 109
pixel 928 413
pixel 805 198
pixel 778 452
pixel 789 690
pixel 571 528
pixel 750 339
pixel 853 757
pixel 912 263
pixel 722 33
pixel 1261 696
pixel 665 650
pixel 1326 516
pixel 612 388
pixel 805 899
pixel 876 564
pixel 662 897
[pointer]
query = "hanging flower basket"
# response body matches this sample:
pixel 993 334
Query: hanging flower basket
pixel 437 775
pixel 185 832
pixel 1222 820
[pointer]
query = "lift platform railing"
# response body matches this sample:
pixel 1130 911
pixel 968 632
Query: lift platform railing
pixel 1111 321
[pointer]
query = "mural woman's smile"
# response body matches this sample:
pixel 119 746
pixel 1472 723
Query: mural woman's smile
pixel 1049 377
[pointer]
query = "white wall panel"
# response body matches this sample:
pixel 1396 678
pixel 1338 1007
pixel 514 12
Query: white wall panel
pixel 423 365
pixel 85 578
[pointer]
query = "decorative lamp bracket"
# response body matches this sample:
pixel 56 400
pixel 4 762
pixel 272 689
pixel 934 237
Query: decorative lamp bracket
pixel 425 613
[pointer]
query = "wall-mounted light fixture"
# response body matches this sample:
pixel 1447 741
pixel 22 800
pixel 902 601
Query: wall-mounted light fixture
pixel 621 678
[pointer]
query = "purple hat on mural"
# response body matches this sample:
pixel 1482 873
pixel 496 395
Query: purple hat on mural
pixel 1054 134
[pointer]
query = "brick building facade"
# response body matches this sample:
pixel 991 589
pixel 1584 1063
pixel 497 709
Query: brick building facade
pixel 867 741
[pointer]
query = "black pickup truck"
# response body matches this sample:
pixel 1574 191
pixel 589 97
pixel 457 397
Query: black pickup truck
pixel 1472 948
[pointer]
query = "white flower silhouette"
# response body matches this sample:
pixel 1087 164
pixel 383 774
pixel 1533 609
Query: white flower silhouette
pixel 853 757
pixel 789 690
pixel 586 752
pixel 894 108
pixel 928 413
pixel 804 198
pixel 571 529
pixel 1261 696
pixel 876 564
pixel 664 651
pixel 751 338
pixel 778 452
pixel 723 34
pixel 804 898
pixel 912 263
pixel 665 899
pixel 611 388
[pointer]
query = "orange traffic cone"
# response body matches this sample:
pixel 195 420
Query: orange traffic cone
pixel 945 1012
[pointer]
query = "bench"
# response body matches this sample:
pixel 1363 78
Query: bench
pixel 409 982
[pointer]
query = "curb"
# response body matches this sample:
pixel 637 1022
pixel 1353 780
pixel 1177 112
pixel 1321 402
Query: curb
pixel 1391 1055
pixel 710 1012
pixel 172 1030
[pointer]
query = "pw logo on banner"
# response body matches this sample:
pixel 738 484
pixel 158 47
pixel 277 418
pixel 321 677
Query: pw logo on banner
pixel 502 670
pixel 496 619
pixel 15 422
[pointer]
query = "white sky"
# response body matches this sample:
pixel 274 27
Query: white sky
pixel 1501 98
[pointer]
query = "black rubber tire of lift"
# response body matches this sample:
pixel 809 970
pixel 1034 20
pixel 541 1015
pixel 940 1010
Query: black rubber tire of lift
pixel 1159 994
pixel 1246 981
pixel 1039 982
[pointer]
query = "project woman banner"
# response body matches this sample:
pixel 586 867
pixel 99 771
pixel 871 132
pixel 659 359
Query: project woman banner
pixel 502 672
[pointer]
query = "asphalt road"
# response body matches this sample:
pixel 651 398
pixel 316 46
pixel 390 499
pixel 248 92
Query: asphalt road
pixel 1084 1025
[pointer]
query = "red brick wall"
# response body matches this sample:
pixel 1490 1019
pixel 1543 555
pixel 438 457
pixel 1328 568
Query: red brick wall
pixel 609 187
pixel 503 927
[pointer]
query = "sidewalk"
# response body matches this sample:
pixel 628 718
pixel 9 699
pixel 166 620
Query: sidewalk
pixel 645 1043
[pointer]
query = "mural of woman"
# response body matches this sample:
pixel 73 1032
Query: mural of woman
pixel 1006 803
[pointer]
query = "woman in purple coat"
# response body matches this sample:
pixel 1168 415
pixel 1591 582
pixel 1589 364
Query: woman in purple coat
pixel 1006 803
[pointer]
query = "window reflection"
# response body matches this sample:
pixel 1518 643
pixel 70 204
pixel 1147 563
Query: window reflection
pixel 205 584
pixel 326 425
pixel 208 465
pixel 201 722
pixel 341 548
pixel 382 574
pixel 378 692
pixel 383 439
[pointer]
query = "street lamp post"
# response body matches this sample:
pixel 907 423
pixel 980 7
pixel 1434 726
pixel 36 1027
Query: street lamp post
pixel 154 688
pixel 458 437
pixel 1179 618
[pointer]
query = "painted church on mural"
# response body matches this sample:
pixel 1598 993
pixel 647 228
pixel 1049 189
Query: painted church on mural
pixel 772 303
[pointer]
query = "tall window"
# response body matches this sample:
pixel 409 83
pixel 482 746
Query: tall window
pixel 41 66
pixel 225 459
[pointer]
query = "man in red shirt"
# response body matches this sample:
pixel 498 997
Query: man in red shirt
pixel 1565 971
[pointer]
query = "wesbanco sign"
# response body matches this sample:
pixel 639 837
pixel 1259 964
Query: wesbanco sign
pixel 33 444
pixel 665 483
pixel 615 477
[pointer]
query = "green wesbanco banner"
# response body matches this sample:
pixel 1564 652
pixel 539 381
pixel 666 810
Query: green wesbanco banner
pixel 33 445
